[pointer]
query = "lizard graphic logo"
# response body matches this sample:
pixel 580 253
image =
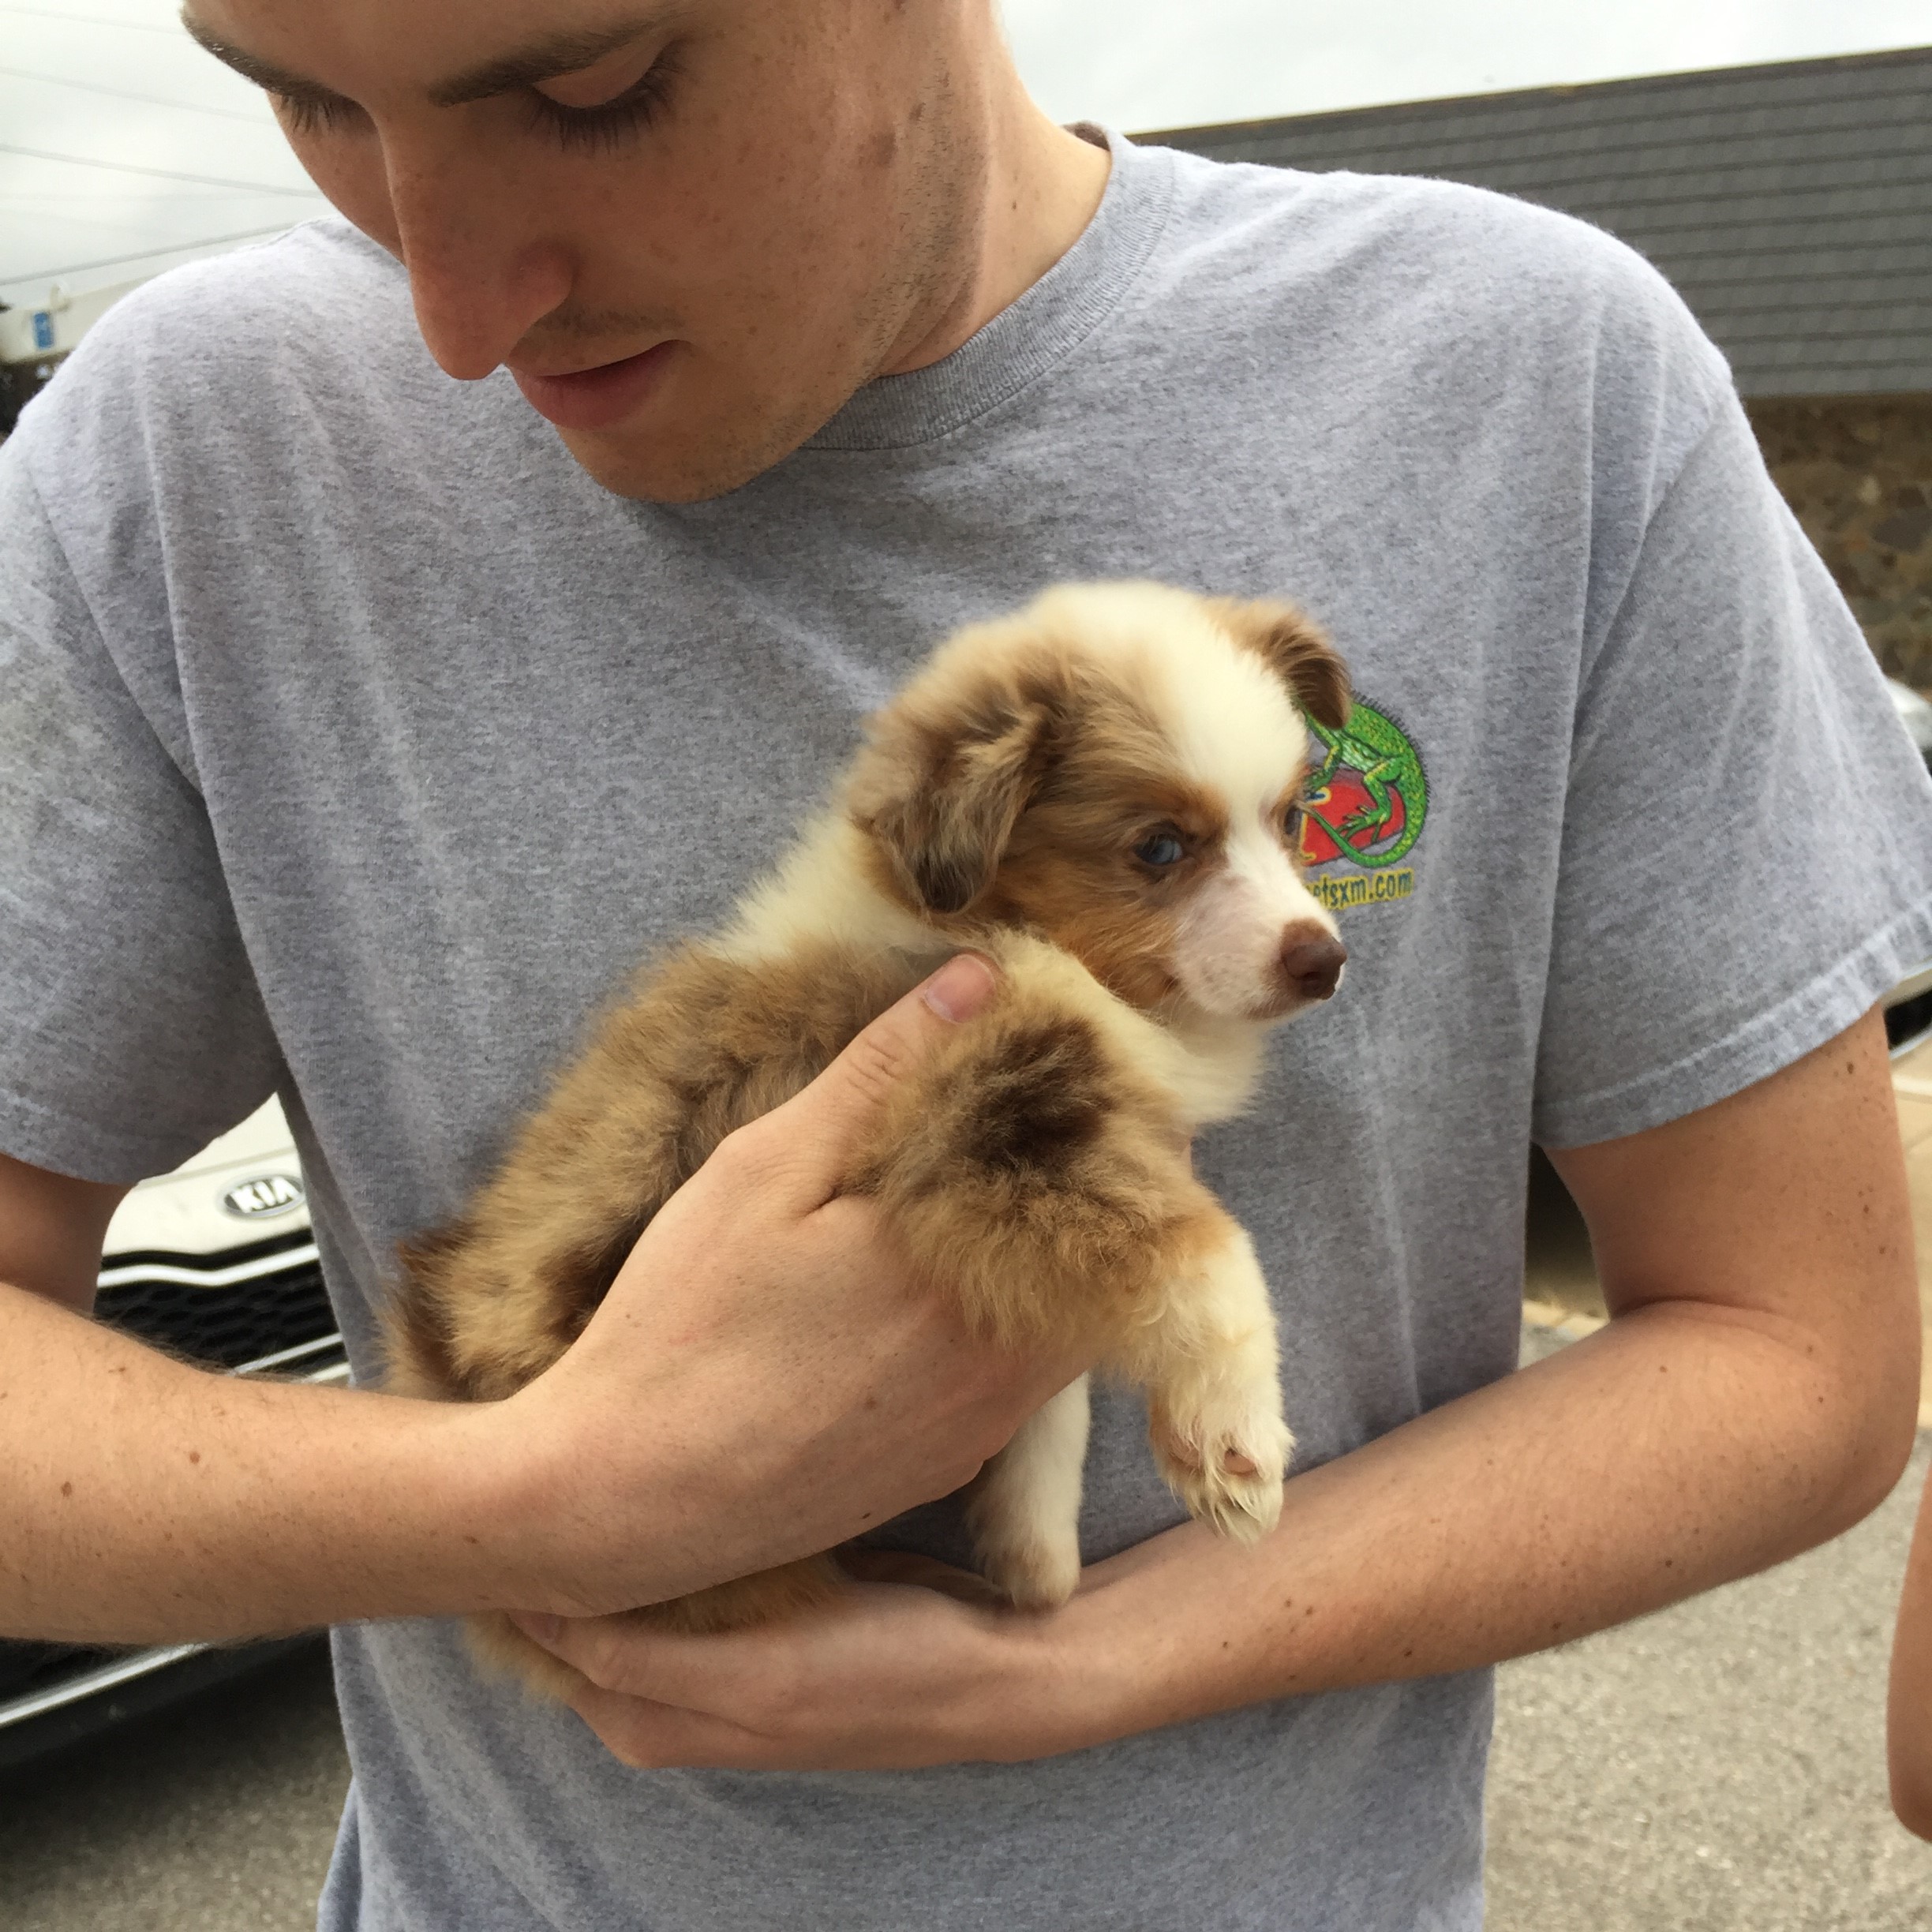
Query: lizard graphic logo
pixel 1366 802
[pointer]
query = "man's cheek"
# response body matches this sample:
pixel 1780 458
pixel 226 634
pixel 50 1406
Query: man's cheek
pixel 353 178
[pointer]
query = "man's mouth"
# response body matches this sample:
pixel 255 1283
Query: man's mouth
pixel 594 398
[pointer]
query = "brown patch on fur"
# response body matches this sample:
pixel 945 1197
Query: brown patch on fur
pixel 1122 931
pixel 947 770
pixel 1041 1100
pixel 1030 1171
pixel 582 1277
pixel 415 1329
pixel 1296 649
pixel 1009 788
pixel 1070 873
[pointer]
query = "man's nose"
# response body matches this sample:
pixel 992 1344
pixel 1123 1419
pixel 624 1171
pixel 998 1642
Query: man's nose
pixel 1312 960
pixel 477 284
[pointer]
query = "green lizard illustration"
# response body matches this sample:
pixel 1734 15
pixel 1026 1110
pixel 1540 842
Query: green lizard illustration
pixel 1370 744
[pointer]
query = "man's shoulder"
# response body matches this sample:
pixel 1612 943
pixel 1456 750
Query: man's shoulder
pixel 1227 205
pixel 218 341
pixel 1334 239
pixel 319 284
pixel 235 375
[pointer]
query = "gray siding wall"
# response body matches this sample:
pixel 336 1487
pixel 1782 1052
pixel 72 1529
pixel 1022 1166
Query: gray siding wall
pixel 1790 204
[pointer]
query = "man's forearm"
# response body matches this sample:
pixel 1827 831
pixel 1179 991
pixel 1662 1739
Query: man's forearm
pixel 148 1502
pixel 1909 1719
pixel 763 1379
pixel 1677 1449
pixel 1757 1394
pixel 1680 1448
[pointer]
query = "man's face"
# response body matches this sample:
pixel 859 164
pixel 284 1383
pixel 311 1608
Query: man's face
pixel 692 229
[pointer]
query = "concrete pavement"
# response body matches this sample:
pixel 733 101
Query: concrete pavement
pixel 1719 1767
pixel 215 1817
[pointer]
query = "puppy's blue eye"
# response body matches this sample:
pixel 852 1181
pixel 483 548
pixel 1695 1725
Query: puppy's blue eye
pixel 1160 849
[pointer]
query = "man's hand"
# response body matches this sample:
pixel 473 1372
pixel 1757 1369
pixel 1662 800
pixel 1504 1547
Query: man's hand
pixel 51 1229
pixel 914 1664
pixel 763 1381
pixel 1755 1394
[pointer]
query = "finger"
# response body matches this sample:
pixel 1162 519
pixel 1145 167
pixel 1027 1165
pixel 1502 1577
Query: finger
pixel 905 1568
pixel 829 1118
pixel 652 1736
pixel 629 1654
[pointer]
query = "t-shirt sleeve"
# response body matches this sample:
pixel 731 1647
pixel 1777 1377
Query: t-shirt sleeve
pixel 131 1030
pixel 1747 858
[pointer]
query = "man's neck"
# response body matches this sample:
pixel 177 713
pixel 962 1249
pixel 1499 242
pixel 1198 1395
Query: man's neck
pixel 1042 186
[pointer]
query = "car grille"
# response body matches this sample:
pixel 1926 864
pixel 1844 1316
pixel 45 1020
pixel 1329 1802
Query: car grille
pixel 246 1308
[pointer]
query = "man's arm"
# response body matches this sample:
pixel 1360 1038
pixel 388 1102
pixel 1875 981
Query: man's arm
pixel 51 1229
pixel 1908 1714
pixel 1755 1394
pixel 760 1383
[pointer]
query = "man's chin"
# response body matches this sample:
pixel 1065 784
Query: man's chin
pixel 661 466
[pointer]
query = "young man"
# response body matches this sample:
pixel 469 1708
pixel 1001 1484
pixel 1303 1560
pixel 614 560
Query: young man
pixel 365 728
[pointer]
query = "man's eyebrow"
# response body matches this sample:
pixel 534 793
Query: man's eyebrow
pixel 554 54
pixel 541 60
pixel 252 67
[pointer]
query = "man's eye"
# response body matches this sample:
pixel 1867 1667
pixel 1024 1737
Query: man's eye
pixel 608 126
pixel 315 113
pixel 1160 849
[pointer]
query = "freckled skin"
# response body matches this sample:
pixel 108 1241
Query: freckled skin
pixel 826 194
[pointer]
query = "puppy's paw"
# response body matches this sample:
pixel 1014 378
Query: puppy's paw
pixel 503 1651
pixel 1033 1572
pixel 1228 1470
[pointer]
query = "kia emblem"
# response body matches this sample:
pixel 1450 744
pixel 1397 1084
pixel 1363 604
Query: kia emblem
pixel 262 1195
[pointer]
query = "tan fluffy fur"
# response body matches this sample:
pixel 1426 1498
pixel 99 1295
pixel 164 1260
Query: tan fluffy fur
pixel 1036 1166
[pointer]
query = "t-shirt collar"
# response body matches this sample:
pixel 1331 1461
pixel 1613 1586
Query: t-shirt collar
pixel 1028 337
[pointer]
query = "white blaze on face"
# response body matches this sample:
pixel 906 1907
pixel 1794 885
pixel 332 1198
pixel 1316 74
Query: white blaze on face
pixel 1238 736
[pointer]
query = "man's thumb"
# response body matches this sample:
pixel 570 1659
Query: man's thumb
pixel 835 1109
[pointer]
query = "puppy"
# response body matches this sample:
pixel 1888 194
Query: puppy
pixel 1101 793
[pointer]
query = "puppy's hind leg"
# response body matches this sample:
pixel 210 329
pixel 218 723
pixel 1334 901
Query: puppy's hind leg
pixel 1025 1510
pixel 1213 1381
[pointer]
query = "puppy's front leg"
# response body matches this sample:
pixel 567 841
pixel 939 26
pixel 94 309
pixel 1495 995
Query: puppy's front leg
pixel 1213 1382
pixel 1024 1511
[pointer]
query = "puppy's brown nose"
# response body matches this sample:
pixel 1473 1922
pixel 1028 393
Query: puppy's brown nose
pixel 1312 960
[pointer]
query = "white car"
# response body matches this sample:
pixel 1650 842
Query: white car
pixel 215 1261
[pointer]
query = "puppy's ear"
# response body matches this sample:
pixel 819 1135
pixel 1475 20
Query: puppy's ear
pixel 948 767
pixel 1296 650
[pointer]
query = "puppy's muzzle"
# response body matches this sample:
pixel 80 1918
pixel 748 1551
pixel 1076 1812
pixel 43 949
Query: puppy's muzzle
pixel 1311 961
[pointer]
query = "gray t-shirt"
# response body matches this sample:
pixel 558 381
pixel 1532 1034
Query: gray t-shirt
pixel 355 744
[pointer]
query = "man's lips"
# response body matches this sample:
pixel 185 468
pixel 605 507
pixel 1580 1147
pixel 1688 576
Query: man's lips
pixel 594 398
